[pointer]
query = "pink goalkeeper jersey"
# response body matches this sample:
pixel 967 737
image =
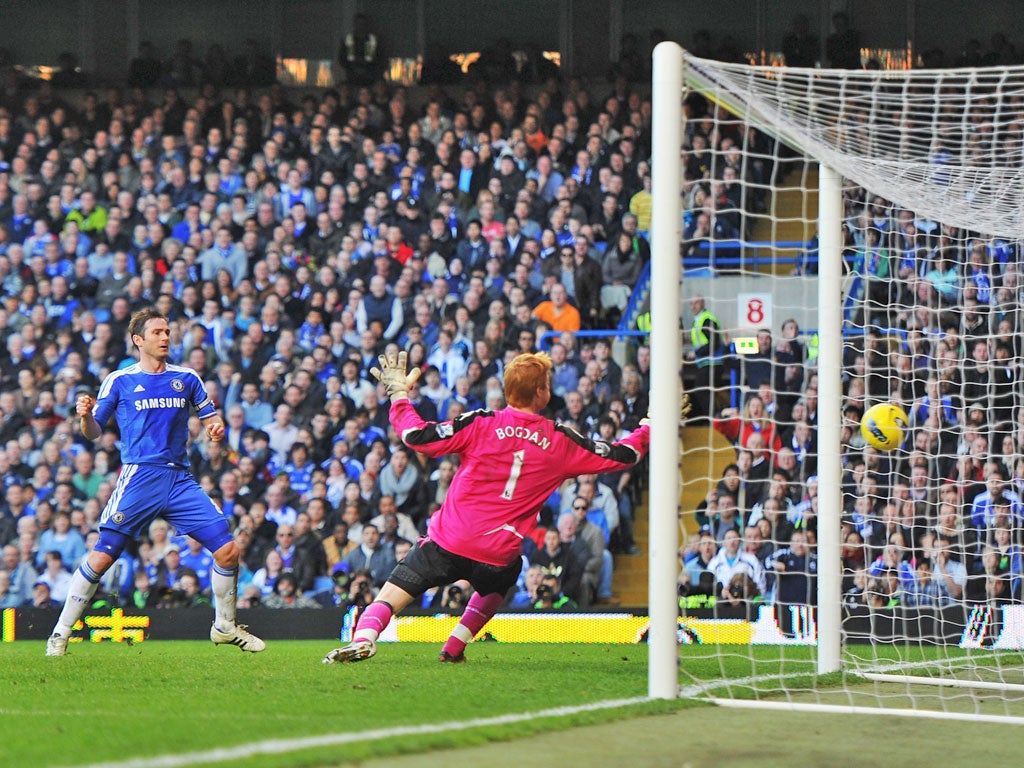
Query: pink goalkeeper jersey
pixel 510 463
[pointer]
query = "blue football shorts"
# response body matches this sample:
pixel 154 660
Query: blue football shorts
pixel 144 492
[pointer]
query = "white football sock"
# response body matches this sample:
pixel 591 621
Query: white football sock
pixel 83 586
pixel 225 587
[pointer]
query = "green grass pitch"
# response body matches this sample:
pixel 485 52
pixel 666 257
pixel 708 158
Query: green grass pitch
pixel 110 704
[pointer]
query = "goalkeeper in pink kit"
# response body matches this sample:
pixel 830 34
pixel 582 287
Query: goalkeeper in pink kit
pixel 511 462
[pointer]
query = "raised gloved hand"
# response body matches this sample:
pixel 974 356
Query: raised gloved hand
pixel 393 376
pixel 684 410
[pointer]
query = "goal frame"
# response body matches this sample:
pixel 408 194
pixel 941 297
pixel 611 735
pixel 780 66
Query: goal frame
pixel 666 291
pixel 737 90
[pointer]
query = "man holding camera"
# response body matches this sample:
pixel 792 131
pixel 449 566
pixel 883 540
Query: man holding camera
pixel 551 598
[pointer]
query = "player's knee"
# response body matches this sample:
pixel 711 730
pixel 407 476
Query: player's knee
pixel 227 555
pixel 217 539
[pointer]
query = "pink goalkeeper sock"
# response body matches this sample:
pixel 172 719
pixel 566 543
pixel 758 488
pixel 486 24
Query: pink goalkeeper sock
pixel 372 622
pixel 478 612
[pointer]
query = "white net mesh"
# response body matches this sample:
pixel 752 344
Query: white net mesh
pixel 932 535
pixel 948 143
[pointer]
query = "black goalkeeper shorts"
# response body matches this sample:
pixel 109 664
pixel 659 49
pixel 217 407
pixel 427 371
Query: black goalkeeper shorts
pixel 428 565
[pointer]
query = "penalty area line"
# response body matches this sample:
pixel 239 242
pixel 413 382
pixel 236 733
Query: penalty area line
pixel 284 746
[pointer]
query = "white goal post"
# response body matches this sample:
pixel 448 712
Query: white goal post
pixel 666 272
pixel 666 232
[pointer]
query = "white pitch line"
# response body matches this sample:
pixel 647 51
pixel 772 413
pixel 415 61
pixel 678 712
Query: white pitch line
pixel 697 690
pixel 116 713
pixel 284 746
pixel 842 709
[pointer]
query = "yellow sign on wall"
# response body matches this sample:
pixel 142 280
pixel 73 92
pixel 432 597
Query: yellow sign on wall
pixel 527 628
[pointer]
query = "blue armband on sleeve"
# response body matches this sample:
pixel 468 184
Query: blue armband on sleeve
pixel 206 409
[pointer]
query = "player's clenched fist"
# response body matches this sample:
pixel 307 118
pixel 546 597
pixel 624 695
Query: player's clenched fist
pixel 215 431
pixel 84 405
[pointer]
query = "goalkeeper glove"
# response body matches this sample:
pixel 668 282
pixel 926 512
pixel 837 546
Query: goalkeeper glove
pixel 684 410
pixel 393 376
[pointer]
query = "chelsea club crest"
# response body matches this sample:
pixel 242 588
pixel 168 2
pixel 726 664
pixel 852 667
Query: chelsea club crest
pixel 117 517
pixel 177 385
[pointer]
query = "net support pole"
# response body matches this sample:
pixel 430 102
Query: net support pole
pixel 830 359
pixel 666 226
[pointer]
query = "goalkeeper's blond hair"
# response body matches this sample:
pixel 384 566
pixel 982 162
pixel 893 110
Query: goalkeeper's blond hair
pixel 526 374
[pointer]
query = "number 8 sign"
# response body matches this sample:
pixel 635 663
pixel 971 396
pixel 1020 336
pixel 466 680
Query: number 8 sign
pixel 754 310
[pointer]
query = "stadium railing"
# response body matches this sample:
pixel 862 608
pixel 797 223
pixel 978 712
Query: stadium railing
pixel 727 255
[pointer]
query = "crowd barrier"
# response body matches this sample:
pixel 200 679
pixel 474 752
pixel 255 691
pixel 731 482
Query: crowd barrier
pixel 966 626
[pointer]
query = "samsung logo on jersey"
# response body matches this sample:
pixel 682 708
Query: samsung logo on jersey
pixel 523 433
pixel 159 402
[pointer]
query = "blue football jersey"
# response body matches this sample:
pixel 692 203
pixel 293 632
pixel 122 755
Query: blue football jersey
pixel 152 411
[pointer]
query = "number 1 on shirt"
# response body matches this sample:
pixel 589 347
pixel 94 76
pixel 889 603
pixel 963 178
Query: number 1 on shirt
pixel 513 476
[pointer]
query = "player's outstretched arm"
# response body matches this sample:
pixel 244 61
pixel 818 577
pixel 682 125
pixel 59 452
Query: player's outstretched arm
pixel 587 456
pixel 583 455
pixel 83 408
pixel 393 376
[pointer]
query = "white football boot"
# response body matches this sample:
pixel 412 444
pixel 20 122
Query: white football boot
pixel 56 645
pixel 237 636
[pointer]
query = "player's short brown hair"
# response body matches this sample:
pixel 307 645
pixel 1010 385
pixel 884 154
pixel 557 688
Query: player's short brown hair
pixel 524 376
pixel 137 325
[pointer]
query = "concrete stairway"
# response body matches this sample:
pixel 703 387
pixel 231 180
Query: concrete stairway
pixel 792 217
pixel 705 454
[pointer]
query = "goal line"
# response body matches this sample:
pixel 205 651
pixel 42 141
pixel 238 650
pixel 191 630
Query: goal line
pixel 842 709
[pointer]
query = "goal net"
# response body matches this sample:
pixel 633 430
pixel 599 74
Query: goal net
pixel 858 236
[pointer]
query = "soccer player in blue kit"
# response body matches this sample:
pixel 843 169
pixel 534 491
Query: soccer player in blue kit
pixel 152 402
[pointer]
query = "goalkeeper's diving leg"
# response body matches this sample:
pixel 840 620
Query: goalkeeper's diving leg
pixel 479 611
pixel 372 621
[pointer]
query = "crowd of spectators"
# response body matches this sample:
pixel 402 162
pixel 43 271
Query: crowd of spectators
pixel 932 325
pixel 290 238
pixel 940 317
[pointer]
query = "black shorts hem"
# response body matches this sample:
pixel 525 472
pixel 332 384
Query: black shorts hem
pixel 429 565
